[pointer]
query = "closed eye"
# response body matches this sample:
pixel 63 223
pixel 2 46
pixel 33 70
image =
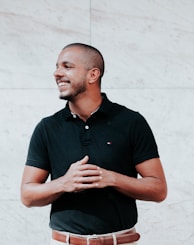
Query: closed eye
pixel 66 65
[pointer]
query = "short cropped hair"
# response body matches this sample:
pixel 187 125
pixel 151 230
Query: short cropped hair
pixel 93 54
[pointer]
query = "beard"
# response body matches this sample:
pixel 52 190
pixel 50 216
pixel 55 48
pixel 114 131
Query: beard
pixel 75 91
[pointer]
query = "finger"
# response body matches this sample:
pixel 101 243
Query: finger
pixel 89 167
pixel 84 160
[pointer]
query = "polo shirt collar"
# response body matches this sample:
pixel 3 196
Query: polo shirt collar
pixel 105 107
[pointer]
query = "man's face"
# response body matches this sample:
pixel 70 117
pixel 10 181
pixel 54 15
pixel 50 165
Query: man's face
pixel 71 73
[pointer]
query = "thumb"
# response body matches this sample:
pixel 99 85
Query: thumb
pixel 84 160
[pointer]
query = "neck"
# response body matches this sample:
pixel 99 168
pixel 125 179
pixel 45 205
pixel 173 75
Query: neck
pixel 85 107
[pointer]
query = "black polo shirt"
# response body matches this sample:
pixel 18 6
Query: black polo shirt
pixel 114 138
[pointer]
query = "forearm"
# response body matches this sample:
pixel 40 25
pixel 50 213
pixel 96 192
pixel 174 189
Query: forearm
pixel 37 194
pixel 147 188
pixel 35 191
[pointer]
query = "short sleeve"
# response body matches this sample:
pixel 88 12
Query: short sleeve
pixel 37 152
pixel 144 144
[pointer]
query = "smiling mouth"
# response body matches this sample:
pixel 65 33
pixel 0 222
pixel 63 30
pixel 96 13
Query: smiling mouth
pixel 61 84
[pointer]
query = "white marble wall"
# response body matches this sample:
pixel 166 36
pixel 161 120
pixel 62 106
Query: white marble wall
pixel 148 46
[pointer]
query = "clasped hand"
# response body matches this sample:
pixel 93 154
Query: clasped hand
pixel 82 176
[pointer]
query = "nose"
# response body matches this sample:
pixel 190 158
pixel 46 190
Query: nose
pixel 58 72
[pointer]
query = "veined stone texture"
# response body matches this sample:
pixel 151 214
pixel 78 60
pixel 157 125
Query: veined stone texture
pixel 148 46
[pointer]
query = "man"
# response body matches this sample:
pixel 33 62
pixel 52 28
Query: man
pixel 93 149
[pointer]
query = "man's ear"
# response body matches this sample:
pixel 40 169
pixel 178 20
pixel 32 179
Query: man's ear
pixel 93 75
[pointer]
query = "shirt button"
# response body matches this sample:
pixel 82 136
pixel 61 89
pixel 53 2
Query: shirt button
pixel 86 127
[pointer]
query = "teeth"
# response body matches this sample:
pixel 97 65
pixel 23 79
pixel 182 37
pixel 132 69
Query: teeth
pixel 61 84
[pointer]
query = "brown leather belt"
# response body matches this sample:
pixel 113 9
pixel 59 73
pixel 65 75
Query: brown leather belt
pixel 121 238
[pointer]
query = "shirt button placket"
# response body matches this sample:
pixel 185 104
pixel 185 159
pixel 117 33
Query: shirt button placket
pixel 87 127
pixel 86 136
